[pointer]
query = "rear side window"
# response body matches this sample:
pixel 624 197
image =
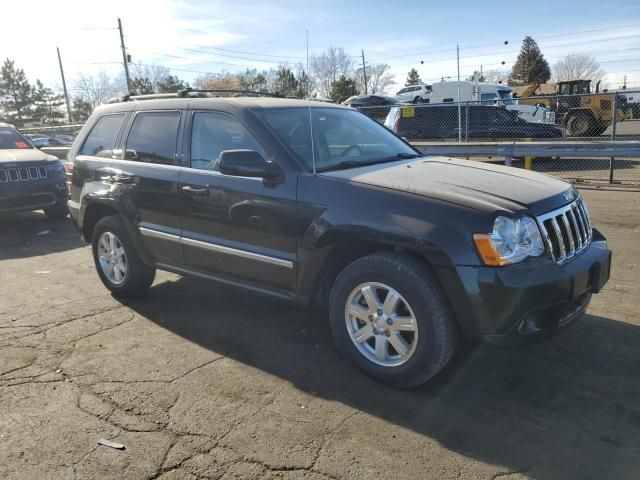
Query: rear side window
pixel 102 138
pixel 153 137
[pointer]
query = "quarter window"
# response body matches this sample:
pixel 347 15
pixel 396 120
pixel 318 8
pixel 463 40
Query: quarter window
pixel 102 138
pixel 213 133
pixel 153 137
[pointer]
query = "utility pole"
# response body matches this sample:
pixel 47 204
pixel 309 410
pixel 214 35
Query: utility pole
pixel 364 73
pixel 64 87
pixel 459 106
pixel 307 31
pixel 124 57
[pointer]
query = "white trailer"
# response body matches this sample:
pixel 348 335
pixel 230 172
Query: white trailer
pixel 489 94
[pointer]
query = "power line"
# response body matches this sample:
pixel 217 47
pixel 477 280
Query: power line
pixel 504 43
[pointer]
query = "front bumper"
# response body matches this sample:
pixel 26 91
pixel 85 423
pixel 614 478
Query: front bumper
pixel 29 196
pixel 532 300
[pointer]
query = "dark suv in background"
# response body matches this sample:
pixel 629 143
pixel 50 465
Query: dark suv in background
pixel 478 122
pixel 320 205
pixel 29 178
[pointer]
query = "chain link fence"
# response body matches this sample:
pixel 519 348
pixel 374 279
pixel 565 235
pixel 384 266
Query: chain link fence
pixel 577 117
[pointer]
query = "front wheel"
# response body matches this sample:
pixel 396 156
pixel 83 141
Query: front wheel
pixel 118 264
pixel 389 316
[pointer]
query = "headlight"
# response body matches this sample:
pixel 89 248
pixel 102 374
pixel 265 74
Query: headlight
pixel 511 241
pixel 56 166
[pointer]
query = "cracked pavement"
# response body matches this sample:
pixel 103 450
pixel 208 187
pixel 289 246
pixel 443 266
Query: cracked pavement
pixel 202 381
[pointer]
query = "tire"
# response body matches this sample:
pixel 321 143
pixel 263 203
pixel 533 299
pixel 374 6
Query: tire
pixel 428 349
pixel 137 277
pixel 581 124
pixel 57 211
pixel 417 100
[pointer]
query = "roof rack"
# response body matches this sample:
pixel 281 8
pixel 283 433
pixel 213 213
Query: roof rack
pixel 236 93
pixel 196 92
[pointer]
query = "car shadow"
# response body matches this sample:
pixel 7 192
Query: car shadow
pixel 32 233
pixel 567 408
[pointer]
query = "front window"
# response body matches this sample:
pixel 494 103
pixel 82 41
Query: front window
pixel 341 138
pixel 10 139
pixel 212 134
pixel 506 96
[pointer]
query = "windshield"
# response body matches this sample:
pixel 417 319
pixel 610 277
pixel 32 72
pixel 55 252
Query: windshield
pixel 506 96
pixel 10 139
pixel 341 138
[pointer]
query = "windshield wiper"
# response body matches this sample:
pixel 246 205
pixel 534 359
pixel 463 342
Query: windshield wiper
pixel 345 164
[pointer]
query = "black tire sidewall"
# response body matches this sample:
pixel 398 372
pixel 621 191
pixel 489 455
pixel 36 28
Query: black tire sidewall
pixel 427 306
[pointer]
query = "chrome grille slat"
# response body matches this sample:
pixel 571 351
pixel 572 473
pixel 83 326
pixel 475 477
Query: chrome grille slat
pixel 567 231
pixel 581 230
pixel 572 243
pixel 23 174
pixel 574 222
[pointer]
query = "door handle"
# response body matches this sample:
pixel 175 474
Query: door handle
pixel 195 192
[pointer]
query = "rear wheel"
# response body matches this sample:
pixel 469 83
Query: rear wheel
pixel 118 264
pixel 389 316
pixel 417 100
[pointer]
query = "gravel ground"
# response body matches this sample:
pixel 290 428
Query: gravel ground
pixel 201 381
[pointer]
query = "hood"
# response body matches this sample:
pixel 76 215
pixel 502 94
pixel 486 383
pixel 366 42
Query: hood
pixel 477 185
pixel 24 155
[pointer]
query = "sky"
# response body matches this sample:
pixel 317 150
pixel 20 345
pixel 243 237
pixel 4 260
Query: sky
pixel 192 37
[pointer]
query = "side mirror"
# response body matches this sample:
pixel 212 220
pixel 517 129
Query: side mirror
pixel 247 163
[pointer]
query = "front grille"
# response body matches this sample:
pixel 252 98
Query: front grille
pixel 23 174
pixel 567 230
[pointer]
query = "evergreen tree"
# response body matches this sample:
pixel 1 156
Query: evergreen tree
pixel 413 78
pixel 343 88
pixel 171 84
pixel 305 85
pixel 16 95
pixel 141 86
pixel 286 82
pixel 531 66
pixel 81 109
pixel 47 105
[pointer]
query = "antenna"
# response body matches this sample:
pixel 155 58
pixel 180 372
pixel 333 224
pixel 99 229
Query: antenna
pixel 313 150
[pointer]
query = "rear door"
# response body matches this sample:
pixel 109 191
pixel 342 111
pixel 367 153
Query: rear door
pixel 146 173
pixel 236 228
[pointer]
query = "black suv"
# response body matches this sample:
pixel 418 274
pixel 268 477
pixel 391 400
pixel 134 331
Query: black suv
pixel 478 122
pixel 29 178
pixel 320 205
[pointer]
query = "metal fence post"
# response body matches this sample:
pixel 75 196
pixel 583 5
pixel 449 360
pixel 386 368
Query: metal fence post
pixel 466 122
pixel 613 133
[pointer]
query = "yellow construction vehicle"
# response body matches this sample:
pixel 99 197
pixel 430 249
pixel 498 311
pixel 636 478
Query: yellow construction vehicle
pixel 581 112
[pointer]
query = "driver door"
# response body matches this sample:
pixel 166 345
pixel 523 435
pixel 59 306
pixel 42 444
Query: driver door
pixel 239 229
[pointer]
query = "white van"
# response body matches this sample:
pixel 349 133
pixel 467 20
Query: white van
pixel 413 93
pixel 489 94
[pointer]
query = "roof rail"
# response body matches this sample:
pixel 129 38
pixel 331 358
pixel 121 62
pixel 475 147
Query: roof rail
pixel 150 96
pixel 236 93
pixel 196 92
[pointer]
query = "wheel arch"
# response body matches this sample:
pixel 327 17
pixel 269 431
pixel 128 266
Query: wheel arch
pixel 341 248
pixel 95 211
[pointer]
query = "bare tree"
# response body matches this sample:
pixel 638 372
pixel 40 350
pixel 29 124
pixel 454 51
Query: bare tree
pixel 495 76
pixel 219 81
pixel 154 73
pixel 577 66
pixel 378 79
pixel 98 89
pixel 328 67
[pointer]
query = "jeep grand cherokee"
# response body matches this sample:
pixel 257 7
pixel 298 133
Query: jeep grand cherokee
pixel 29 178
pixel 320 205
